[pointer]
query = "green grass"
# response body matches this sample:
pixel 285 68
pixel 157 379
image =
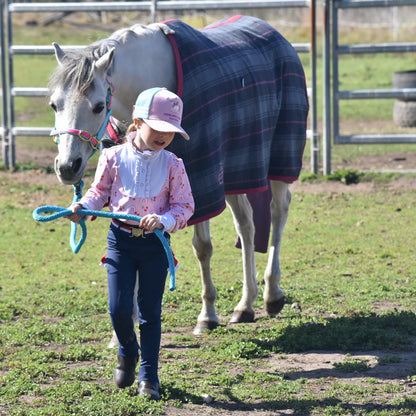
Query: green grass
pixel 342 256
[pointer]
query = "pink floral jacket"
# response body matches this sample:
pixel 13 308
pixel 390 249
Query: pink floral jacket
pixel 142 183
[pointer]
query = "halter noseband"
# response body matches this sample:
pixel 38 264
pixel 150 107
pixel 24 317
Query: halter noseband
pixel 94 141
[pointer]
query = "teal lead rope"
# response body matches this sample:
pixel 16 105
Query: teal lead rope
pixel 76 246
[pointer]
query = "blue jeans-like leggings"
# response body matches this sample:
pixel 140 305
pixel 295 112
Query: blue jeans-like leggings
pixel 125 257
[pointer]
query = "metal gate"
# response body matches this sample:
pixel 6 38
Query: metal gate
pixel 334 52
pixel 9 130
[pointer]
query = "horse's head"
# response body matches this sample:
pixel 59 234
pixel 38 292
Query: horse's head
pixel 80 95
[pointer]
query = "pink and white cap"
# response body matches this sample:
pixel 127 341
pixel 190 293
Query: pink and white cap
pixel 161 110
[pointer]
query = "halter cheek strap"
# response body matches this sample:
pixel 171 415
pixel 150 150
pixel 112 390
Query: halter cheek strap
pixel 114 136
pixel 94 141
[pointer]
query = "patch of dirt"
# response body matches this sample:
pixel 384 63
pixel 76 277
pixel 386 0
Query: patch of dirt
pixel 321 364
pixel 401 184
pixel 390 162
pixel 44 158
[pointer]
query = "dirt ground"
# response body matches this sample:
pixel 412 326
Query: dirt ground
pixel 402 162
pixel 314 365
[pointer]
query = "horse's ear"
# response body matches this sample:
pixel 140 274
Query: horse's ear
pixel 105 61
pixel 59 53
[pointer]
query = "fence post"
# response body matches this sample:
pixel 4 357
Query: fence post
pixel 5 93
pixel 327 89
pixel 314 122
pixel 153 10
pixel 11 147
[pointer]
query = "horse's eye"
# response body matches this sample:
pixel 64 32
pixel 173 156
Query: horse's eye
pixel 53 106
pixel 98 108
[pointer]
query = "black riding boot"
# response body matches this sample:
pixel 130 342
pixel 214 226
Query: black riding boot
pixel 125 372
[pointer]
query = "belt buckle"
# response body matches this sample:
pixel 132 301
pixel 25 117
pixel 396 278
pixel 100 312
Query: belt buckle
pixel 137 232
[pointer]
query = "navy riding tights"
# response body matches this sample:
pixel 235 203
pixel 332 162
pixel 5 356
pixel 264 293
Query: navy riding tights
pixel 125 257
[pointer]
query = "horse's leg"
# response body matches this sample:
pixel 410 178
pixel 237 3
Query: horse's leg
pixel 202 245
pixel 114 341
pixel 274 297
pixel 243 221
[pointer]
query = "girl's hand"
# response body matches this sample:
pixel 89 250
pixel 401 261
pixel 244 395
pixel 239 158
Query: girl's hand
pixel 75 217
pixel 151 222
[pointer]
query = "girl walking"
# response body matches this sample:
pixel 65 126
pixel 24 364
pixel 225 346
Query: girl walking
pixel 140 177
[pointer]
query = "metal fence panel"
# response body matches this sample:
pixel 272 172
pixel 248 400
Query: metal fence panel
pixel 9 130
pixel 337 94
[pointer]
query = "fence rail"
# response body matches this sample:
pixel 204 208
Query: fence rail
pixel 149 5
pixel 350 4
pixel 377 48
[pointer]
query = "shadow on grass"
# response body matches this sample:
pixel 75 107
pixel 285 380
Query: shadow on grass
pixel 359 332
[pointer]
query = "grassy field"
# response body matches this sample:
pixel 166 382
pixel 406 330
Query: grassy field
pixel 343 345
pixel 348 262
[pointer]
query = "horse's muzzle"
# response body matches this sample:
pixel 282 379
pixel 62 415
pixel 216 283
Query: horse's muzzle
pixel 69 172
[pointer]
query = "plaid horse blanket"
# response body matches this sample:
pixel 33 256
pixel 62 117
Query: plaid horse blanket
pixel 245 109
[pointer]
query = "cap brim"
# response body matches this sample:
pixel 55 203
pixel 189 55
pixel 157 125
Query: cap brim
pixel 164 126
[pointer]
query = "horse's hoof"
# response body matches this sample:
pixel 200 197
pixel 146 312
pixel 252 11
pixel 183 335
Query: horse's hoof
pixel 204 326
pixel 273 308
pixel 240 317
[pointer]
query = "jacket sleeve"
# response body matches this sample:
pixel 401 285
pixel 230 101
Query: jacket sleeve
pixel 181 201
pixel 99 193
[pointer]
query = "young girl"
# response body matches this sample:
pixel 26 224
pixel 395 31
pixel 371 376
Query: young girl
pixel 139 177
